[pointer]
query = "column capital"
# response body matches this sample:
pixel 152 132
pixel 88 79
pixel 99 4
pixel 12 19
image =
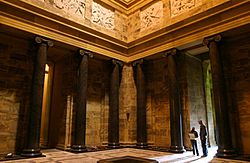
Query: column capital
pixel 215 38
pixel 138 62
pixel 173 51
pixel 83 52
pixel 114 61
pixel 40 40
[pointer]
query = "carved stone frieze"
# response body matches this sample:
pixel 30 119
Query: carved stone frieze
pixel 180 6
pixel 151 16
pixel 102 16
pixel 72 7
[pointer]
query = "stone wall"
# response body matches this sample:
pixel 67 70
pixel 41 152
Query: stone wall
pixel 15 79
pixel 63 102
pixel 97 102
pixel 158 111
pixel 127 107
pixel 236 59
pixel 192 95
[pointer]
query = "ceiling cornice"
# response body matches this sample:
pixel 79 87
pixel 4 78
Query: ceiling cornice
pixel 40 22
pixel 127 6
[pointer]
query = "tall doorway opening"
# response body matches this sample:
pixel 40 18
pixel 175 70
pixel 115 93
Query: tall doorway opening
pixel 209 102
pixel 44 130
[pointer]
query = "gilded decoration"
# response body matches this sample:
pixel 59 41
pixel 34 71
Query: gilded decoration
pixel 102 16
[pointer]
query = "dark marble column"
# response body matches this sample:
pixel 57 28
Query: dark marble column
pixel 113 126
pixel 225 148
pixel 141 106
pixel 78 145
pixel 175 105
pixel 33 135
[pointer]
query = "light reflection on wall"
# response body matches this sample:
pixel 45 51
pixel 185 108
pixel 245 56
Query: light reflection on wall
pixel 69 116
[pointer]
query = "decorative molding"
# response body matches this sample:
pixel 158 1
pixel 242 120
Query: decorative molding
pixel 102 16
pixel 215 38
pixel 40 40
pixel 170 37
pixel 73 7
pixel 172 51
pixel 152 16
pixel 114 61
pixel 83 52
pixel 180 6
pixel 138 62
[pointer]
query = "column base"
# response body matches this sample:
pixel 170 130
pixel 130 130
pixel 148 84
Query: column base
pixel 177 149
pixel 141 145
pixel 32 153
pixel 113 145
pixel 78 148
pixel 226 153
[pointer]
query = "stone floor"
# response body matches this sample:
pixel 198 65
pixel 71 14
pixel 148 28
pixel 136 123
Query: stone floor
pixel 57 156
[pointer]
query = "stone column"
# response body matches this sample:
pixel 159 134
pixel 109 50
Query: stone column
pixel 33 149
pixel 225 148
pixel 78 144
pixel 141 106
pixel 175 105
pixel 113 126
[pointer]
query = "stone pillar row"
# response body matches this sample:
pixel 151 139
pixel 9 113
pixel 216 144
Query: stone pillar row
pixel 78 144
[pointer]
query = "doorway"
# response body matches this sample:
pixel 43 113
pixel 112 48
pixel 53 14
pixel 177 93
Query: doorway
pixel 45 116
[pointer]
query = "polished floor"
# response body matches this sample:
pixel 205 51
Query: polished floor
pixel 57 156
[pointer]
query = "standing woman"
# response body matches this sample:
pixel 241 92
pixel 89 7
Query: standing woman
pixel 193 135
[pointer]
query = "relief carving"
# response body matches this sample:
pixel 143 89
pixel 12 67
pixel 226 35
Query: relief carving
pixel 151 17
pixel 180 6
pixel 72 7
pixel 102 16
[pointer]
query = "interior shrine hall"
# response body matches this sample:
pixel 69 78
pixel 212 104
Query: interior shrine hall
pixel 124 81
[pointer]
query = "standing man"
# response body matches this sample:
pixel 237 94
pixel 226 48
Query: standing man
pixel 203 137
